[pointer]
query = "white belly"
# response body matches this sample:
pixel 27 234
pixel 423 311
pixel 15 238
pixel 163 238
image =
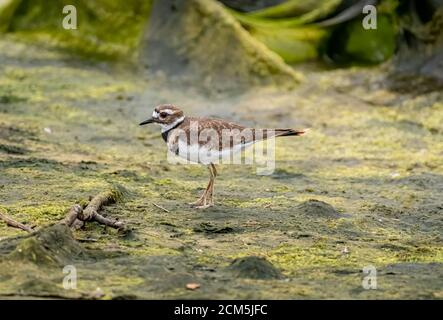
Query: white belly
pixel 201 154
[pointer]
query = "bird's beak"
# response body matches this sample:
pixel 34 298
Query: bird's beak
pixel 151 120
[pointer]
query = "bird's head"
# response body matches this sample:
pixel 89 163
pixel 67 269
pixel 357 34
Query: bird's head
pixel 166 115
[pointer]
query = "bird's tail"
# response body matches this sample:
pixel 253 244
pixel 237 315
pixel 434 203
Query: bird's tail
pixel 289 132
pixel 264 134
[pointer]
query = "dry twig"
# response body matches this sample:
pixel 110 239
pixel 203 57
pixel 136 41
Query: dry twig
pixel 77 216
pixel 72 215
pixel 12 223
pixel 160 207
pixel 97 203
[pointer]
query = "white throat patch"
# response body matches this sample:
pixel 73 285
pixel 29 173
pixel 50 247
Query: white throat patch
pixel 166 127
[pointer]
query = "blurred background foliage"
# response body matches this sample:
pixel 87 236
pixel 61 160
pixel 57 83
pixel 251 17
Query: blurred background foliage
pixel 106 29
pixel 297 30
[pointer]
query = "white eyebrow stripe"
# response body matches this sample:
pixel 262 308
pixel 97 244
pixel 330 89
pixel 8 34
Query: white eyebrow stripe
pixel 168 111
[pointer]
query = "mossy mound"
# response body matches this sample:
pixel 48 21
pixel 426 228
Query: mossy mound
pixel 181 42
pixel 317 209
pixel 210 228
pixel 105 29
pixel 53 245
pixel 254 268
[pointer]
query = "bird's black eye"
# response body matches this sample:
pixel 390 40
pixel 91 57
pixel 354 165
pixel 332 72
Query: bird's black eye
pixel 163 114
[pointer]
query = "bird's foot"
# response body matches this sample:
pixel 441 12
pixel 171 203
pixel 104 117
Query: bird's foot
pixel 201 201
pixel 204 206
pixel 197 203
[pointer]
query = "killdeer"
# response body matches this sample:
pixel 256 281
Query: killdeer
pixel 220 138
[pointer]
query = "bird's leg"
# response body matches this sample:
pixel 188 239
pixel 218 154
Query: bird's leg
pixel 202 201
pixel 211 190
pixel 207 197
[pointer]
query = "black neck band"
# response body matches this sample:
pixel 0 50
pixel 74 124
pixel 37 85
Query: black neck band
pixel 166 133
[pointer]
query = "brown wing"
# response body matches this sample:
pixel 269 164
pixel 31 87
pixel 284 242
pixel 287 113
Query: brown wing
pixel 220 134
pixel 212 133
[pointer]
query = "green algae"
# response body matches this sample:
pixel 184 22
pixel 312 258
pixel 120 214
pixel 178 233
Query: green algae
pixel 293 258
pixel 373 156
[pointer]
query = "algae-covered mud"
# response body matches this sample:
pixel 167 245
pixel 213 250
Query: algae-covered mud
pixel 360 195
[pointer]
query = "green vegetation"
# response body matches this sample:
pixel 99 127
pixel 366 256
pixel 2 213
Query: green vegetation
pixel 317 11
pixel 352 42
pixel 294 30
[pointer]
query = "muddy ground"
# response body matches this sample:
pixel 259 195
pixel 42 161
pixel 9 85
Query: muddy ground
pixel 365 187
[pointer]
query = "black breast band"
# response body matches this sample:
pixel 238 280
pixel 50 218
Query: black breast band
pixel 166 133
